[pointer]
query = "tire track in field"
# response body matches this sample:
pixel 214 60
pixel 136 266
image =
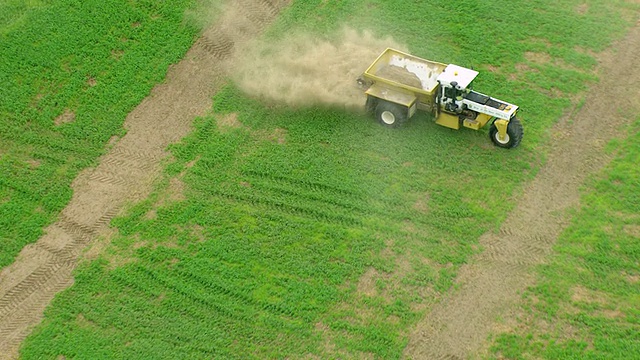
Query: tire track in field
pixel 126 173
pixel 290 196
pixel 457 328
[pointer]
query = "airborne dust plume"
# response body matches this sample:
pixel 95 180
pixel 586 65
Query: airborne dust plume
pixel 303 70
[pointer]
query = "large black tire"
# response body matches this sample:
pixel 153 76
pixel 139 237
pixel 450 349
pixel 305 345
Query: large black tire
pixel 390 114
pixel 370 105
pixel 514 134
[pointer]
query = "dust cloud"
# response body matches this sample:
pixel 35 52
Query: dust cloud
pixel 204 13
pixel 304 70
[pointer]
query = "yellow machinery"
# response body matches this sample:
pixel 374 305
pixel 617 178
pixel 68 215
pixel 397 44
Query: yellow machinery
pixel 398 84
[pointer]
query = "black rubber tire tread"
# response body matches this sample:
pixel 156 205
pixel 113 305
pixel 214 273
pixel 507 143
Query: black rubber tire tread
pixel 370 104
pixel 514 130
pixel 398 111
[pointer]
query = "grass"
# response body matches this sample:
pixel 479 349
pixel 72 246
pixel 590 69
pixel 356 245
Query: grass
pixel 316 232
pixel 70 74
pixel 585 303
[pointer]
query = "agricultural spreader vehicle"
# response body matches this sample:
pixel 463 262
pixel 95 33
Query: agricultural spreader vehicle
pixel 398 84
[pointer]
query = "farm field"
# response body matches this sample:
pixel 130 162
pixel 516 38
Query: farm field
pixel 69 79
pixel 300 228
pixel 584 304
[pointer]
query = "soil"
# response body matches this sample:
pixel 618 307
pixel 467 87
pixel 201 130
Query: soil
pixel 400 75
pixel 126 173
pixel 489 287
pixel 67 116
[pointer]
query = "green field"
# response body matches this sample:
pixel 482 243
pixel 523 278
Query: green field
pixel 585 303
pixel 306 232
pixel 70 73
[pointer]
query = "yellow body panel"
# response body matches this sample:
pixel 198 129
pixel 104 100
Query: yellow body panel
pixel 395 95
pixel 483 119
pixel 501 125
pixel 387 57
pixel 477 123
pixel 448 120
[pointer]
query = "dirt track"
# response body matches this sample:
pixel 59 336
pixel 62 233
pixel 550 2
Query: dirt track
pixel 458 326
pixel 126 173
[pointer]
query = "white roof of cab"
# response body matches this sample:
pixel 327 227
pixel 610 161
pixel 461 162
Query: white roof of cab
pixel 462 76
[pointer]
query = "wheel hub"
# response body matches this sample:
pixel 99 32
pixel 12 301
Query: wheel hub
pixel 504 141
pixel 388 117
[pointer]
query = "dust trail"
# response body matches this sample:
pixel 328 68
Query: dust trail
pixel 303 70
pixel 205 13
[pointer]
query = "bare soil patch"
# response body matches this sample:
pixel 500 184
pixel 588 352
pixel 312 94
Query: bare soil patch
pixel 126 173
pixel 91 81
pixel 116 53
pixel 490 286
pixel 634 279
pixel 34 163
pixel 492 68
pixel 422 203
pixel 279 136
pixel 582 294
pixel 633 230
pixel 521 70
pixel 582 8
pixel 176 189
pixel 66 117
pixel 537 57
pixel 228 121
pixel 367 283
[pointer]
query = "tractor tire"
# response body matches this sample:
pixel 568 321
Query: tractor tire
pixel 370 105
pixel 390 114
pixel 514 134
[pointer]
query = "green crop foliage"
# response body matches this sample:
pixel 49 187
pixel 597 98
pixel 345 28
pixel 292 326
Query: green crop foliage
pixel 88 62
pixel 316 232
pixel 589 292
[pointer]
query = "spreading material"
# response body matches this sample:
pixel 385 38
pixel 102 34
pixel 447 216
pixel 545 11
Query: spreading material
pixel 303 70
pixel 400 75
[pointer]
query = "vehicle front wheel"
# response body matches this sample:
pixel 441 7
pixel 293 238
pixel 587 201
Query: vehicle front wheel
pixel 513 137
pixel 390 114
